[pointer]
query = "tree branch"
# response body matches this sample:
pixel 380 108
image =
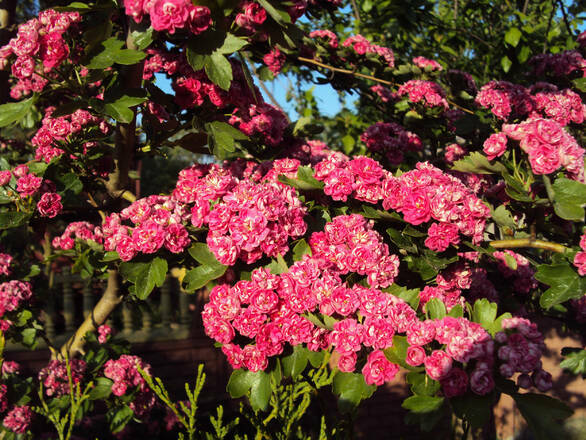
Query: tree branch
pixel 529 243
pixel 98 316
pixel 370 77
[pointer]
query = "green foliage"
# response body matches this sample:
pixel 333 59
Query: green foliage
pixel 543 414
pixel 565 284
pixel 574 360
pixel 145 276
pixel 351 389
pixel 111 52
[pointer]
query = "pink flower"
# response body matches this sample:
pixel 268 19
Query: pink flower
pixel 378 369
pixel 200 19
pixel 167 15
pixel 580 262
pixel 542 380
pixel 495 146
pixel 5 261
pixel 416 208
pixel 28 185
pixel 415 355
pixel 441 236
pixel 104 331
pixel 347 363
pixel 5 177
pixel 438 364
pixel 54 50
pixel 49 205
pixel 177 238
pixel 254 359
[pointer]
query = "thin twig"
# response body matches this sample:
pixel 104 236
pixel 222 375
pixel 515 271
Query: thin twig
pixel 355 9
pixel 553 8
pixel 529 243
pixel 566 21
pixel 370 77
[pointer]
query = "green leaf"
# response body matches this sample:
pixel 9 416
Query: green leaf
pixel 397 353
pixel 503 217
pixel 201 253
pixel 196 60
pixel 506 63
pixel 224 135
pixel 279 16
pixel 428 264
pixel 219 70
pixel 304 180
pixel 72 183
pixel 457 311
pixel 145 276
pixel 410 296
pixel 232 44
pixel 120 107
pixel 476 410
pixel 422 404
pixel 295 363
pixel 315 358
pixel 301 249
pixel 201 275
pixel 435 308
pixel 575 360
pixel 402 241
pixel 352 389
pixel 239 383
pixel 569 199
pixel 153 274
pixel 565 284
pixel 484 312
pixel 14 111
pixel 102 389
pixel 580 84
pixel 260 391
pixel 143 39
pixel 513 36
pixel 118 417
pixel 113 53
pixel 477 163
pixel 543 414
pixel 12 219
pixel 422 384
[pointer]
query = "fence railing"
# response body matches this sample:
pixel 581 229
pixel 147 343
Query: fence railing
pixel 166 315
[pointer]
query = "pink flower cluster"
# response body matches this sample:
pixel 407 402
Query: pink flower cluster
pixel 170 15
pixel 522 277
pixel 427 64
pixel 428 93
pixel 263 120
pixel 383 93
pixel 28 185
pixel 59 129
pixel 495 145
pixel 77 230
pixel 252 16
pixel 549 146
pixel 520 350
pixel 580 258
pixel 104 332
pixel 5 262
pixel 421 195
pixel 505 99
pixel 351 244
pixel 124 373
pixel 391 139
pixel 362 46
pixel 275 60
pixel 276 305
pixel 157 221
pixel 39 39
pixel 563 106
pixel 55 379
pixel 331 38
pixel 18 419
pixel 13 294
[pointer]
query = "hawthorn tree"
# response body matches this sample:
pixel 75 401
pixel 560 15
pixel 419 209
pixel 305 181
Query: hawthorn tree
pixel 430 233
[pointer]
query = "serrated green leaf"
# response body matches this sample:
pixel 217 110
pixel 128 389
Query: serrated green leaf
pixel 503 217
pixel 476 410
pixel 143 39
pixel 219 70
pixel 102 389
pixel 435 308
pixel 477 163
pixel 484 313
pixel 574 361
pixel 118 417
pixel 14 111
pixel 506 63
pixel 232 44
pixel 281 17
pixel 201 253
pixel 565 284
pixel 152 274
